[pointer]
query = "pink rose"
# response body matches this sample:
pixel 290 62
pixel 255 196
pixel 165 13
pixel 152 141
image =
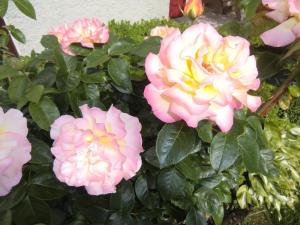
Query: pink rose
pixel 14 148
pixel 200 75
pixel 162 31
pixel 287 13
pixel 85 31
pixel 98 150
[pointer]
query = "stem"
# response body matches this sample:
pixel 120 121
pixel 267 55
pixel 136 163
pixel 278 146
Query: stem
pixel 278 93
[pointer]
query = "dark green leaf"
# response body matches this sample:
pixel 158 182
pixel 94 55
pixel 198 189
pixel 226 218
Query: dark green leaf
pixel 13 198
pixel 3 7
pixel 268 64
pixel 204 130
pixel 224 151
pixel 17 88
pixel 124 199
pixel 96 58
pixel 141 189
pixel 40 152
pixel 46 77
pixel 50 42
pixel 77 49
pixel 250 150
pixel 26 8
pixel 35 93
pixel 151 44
pixel 94 78
pixel 172 185
pixel 194 217
pixel 68 82
pixel 174 143
pixel 6 218
pixel 44 113
pixel 151 157
pixel 118 71
pixel 16 33
pixel 120 219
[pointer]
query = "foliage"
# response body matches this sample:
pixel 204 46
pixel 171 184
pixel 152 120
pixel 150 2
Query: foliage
pixel 139 30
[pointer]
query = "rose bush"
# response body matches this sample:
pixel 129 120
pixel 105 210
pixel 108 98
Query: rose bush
pixel 89 105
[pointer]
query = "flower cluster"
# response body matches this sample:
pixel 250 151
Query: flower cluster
pixel 287 13
pixel 98 150
pixel 14 148
pixel 201 75
pixel 85 31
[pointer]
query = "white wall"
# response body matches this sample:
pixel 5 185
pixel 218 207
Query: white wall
pixel 52 13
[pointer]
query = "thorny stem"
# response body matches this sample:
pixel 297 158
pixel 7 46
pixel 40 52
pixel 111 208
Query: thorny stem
pixel 278 93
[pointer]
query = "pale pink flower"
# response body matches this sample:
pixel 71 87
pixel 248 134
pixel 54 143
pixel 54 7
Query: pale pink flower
pixel 162 31
pixel 14 148
pixel 287 13
pixel 98 150
pixel 85 31
pixel 201 75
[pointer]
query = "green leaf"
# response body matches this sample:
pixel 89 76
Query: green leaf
pixel 174 143
pixel 142 191
pixel 16 33
pixel 46 77
pixel 124 199
pixel 40 152
pixel 35 93
pixel 7 71
pixel 204 130
pixel 44 113
pixel 120 47
pixel 120 219
pixel 46 187
pixel 291 50
pixel 77 49
pixel 26 8
pixel 194 217
pixel 151 44
pixel 31 211
pixel 151 157
pixel 224 151
pixel 6 218
pixel 96 58
pixel 267 64
pixel 118 71
pixel 250 150
pixel 94 78
pixel 251 8
pixel 3 7
pixel 50 42
pixel 173 186
pixel 13 198
pixel 17 89
pixel 68 82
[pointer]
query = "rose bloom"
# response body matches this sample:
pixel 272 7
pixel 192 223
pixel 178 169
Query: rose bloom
pixel 193 8
pixel 98 150
pixel 287 13
pixel 200 75
pixel 162 31
pixel 14 148
pixel 85 31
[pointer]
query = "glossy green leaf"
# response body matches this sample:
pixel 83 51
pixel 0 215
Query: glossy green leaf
pixel 194 217
pixel 67 82
pixel 3 7
pixel 96 58
pixel 26 8
pixel 120 219
pixel 151 157
pixel 7 71
pixel 94 78
pixel 118 71
pixel 172 185
pixel 16 33
pixel 204 130
pixel 174 143
pixel 44 113
pixel 224 151
pixel 124 198
pixel 35 93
